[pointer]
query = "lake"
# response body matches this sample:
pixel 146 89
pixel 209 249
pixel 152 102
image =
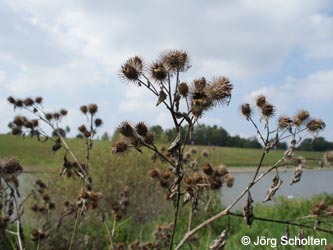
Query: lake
pixel 313 181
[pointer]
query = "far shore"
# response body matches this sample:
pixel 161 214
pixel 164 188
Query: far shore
pixel 244 169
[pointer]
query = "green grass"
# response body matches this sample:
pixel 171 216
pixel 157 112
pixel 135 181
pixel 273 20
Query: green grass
pixel 32 153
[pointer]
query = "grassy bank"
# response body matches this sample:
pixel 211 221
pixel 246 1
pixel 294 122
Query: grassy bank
pixel 35 154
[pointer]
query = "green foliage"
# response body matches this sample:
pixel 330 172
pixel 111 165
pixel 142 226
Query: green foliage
pixel 317 144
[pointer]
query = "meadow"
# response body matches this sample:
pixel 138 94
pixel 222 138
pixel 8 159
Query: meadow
pixel 112 173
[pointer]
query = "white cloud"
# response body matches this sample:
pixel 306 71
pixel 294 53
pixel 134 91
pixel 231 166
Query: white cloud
pixel 316 87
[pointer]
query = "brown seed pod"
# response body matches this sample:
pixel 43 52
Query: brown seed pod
pixel 158 71
pixel 141 128
pixel 183 89
pixel 84 109
pixel 267 110
pixel 119 147
pixel 39 99
pixel 28 102
pixel 132 69
pixel 246 110
pixel 175 60
pixel 98 122
pixel 261 100
pixel 92 108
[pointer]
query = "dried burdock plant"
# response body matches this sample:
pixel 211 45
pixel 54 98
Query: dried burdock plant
pixel 186 103
pixel 294 129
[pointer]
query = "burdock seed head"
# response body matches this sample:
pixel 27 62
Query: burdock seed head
pixel 199 84
pixel 315 124
pixel 141 128
pixel 154 173
pixel 11 100
pixel 220 90
pixel 183 89
pixel 261 100
pixel 92 108
pixel 284 122
pixel 48 116
pixel 84 109
pixel 175 60
pixel 63 112
pixel 207 169
pixel 267 110
pixel 98 122
pixel 119 147
pixel 28 101
pixel 158 71
pixel 132 69
pixel 39 99
pixel 301 117
pixel 126 129
pixel 246 110
pixel 82 128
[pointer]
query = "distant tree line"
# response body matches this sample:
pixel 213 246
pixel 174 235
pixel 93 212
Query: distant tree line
pixel 318 144
pixel 218 136
pixel 208 136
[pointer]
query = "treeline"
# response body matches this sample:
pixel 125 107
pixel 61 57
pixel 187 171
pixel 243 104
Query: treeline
pixel 218 136
pixel 208 136
pixel 318 144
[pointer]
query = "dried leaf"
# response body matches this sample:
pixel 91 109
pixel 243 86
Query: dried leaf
pixel 277 182
pixel 161 97
pixel 248 211
pixel 220 242
pixel 297 174
pixel 175 144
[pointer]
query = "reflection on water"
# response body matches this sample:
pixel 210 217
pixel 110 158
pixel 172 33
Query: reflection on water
pixel 312 182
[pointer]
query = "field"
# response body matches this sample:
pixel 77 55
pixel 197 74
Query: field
pixel 147 207
pixel 34 154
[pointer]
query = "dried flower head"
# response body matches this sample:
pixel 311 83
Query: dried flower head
pixel 284 122
pixel 183 89
pixel 126 129
pixel 246 110
pixel 229 180
pixel 315 124
pixel 267 110
pixel 132 69
pixel 84 109
pixel 260 101
pixel 158 71
pixel 63 112
pixel 199 84
pixel 92 108
pixel 301 117
pixel 11 100
pixel 153 173
pixel 19 120
pixel 141 128
pixel 28 102
pixel 205 154
pixel 98 122
pixel 149 138
pixel 119 147
pixel 207 169
pixel 16 131
pixel 175 60
pixel 82 128
pixel 220 90
pixel 39 99
pixel 56 116
pixel 18 103
pixel 49 116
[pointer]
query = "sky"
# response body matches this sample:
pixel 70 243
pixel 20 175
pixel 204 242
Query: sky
pixel 70 52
